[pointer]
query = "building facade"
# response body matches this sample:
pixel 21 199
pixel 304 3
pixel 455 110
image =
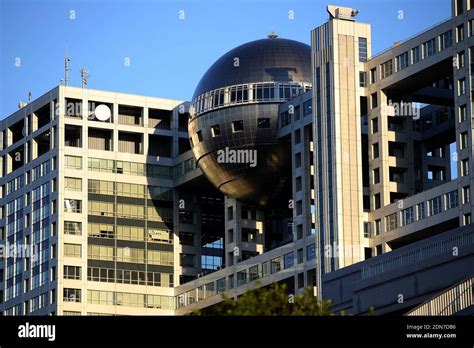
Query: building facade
pixel 119 214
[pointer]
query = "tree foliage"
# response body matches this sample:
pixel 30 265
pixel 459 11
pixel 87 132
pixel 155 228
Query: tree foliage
pixel 270 301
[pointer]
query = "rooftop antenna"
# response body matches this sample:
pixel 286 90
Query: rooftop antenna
pixel 29 96
pixel 272 35
pixel 84 76
pixel 66 69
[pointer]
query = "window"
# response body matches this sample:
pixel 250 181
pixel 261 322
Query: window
pixel 459 35
pixel 298 160
pixel 376 172
pixel 378 227
pixel 446 39
pixel 375 125
pixel 237 126
pixel 186 238
pixel 187 260
pixel 461 60
pixel 311 252
pixel 362 49
pixel 298 184
pixel 362 79
pixel 377 203
pixel 463 140
pixel 391 222
pixel 72 272
pixel 72 295
pixel 300 256
pixel 420 211
pixel 461 86
pixel 102 231
pixel 367 233
pixel 263 122
pixel 199 135
pixel 373 100
pixel 230 213
pixel 72 227
pixel 72 250
pixel 429 48
pixel 415 54
pixel 288 260
pixel 467 219
pixel 408 216
pixel 297 136
pixel 72 184
pixel 401 61
pixel 462 113
pixel 470 27
pixel 452 199
pixel 373 75
pixel 465 167
pixel 307 108
pixel 72 162
pixel 435 206
pixel 216 130
pixel 466 194
pixel 375 150
pixel 386 68
pixel 72 206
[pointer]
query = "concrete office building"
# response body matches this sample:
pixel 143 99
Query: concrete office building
pixel 361 188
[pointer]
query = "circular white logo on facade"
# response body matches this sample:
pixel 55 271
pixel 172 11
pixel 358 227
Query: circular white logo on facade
pixel 102 112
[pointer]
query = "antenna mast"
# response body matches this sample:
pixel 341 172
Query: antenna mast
pixel 66 69
pixel 84 76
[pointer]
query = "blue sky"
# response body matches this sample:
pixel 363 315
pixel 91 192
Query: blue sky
pixel 167 55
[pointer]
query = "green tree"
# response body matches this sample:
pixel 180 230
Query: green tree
pixel 269 301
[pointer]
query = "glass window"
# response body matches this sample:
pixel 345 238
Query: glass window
pixel 387 68
pixel 391 222
pixel 73 162
pixel 401 61
pixel 237 126
pixel 429 48
pixel 216 130
pixel 263 122
pixel 362 49
pixel 289 260
pixel 415 54
pixel 435 206
pixel 311 252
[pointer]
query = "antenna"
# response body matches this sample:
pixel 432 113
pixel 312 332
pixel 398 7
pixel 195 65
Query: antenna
pixel 272 35
pixel 66 69
pixel 29 96
pixel 84 76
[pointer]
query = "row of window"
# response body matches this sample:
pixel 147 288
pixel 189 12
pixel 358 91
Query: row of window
pixel 110 275
pixel 130 211
pixel 422 210
pixel 243 277
pixel 132 255
pixel 128 190
pixel 402 61
pixel 246 93
pixel 129 233
pixel 113 298
pixel 237 126
pixel 130 168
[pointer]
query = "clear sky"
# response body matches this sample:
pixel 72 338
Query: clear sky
pixel 167 54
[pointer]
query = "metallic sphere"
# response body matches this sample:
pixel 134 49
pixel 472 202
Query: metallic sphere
pixel 234 117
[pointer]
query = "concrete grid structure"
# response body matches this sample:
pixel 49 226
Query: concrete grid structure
pixel 377 204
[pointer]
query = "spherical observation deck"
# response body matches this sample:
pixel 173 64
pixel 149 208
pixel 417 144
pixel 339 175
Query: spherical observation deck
pixel 234 116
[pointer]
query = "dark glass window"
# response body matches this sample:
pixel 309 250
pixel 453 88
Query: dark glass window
pixel 238 126
pixel 263 123
pixel 362 49
pixel 216 130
